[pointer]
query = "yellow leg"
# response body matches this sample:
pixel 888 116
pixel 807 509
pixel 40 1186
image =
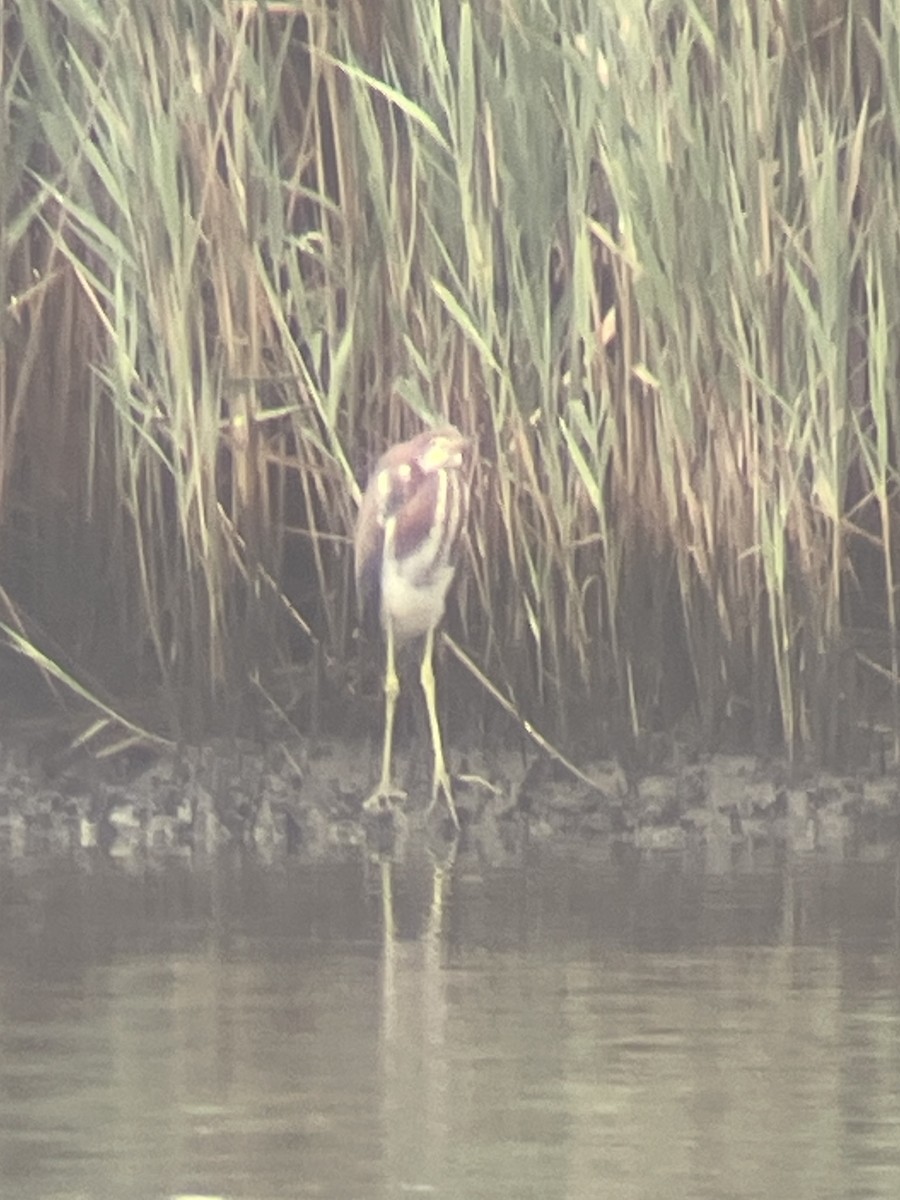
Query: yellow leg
pixel 385 792
pixel 441 776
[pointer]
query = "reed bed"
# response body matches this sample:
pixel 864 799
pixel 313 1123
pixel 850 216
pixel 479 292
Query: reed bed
pixel 644 253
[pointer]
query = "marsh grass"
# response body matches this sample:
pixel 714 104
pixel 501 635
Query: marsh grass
pixel 643 253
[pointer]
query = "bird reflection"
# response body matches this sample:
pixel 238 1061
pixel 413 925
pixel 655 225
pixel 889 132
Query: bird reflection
pixel 414 1014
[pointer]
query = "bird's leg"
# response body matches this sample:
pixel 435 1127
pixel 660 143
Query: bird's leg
pixel 441 776
pixel 386 790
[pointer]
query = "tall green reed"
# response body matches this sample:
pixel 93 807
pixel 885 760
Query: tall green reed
pixel 637 250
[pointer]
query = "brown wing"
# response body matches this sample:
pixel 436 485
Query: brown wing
pixel 415 517
pixel 368 544
pixel 389 487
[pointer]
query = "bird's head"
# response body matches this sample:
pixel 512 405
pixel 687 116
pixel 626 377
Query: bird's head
pixel 405 467
pixel 440 449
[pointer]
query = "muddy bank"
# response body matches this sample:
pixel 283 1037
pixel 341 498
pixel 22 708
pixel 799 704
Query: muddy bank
pixel 306 799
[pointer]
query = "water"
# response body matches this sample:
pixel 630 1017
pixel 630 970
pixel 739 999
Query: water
pixel 568 1027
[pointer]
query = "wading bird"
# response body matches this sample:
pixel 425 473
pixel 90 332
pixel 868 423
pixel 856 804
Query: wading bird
pixel 407 545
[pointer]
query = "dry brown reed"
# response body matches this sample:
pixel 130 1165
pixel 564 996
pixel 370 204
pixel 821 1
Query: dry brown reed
pixel 644 252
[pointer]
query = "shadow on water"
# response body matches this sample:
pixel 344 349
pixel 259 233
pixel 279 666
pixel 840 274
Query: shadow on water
pixel 565 1027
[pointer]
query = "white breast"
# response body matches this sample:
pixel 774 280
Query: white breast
pixel 412 608
pixel 414 589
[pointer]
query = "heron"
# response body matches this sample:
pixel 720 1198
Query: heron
pixel 407 547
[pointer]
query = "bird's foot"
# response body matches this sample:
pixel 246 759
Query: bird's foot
pixel 384 797
pixel 443 787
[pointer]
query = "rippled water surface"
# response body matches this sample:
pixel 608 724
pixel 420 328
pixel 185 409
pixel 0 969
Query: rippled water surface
pixel 561 1028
